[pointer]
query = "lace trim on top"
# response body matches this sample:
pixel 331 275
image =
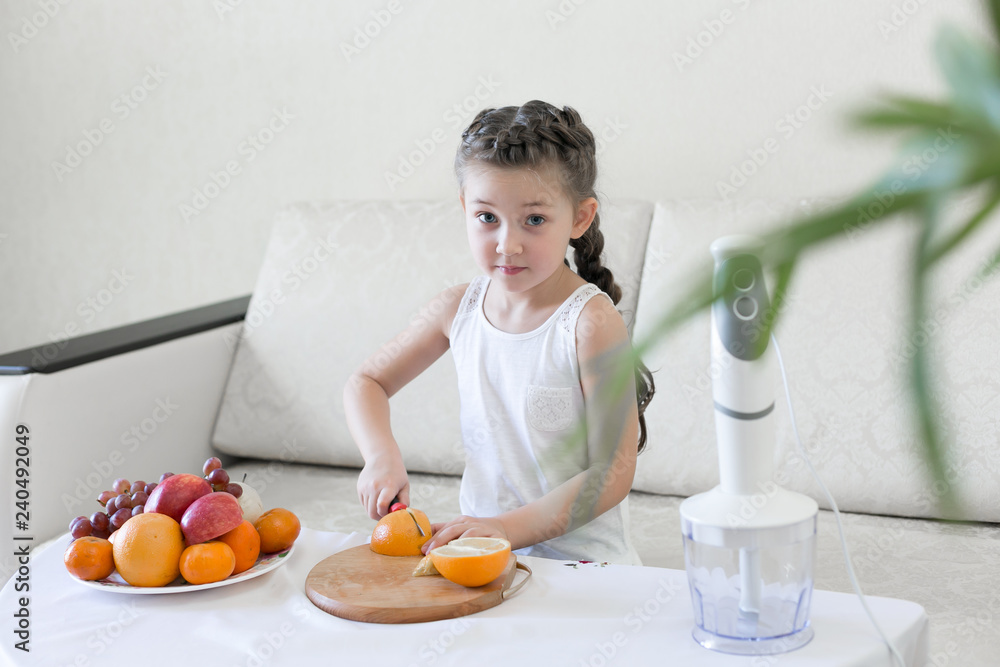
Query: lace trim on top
pixel 571 311
pixel 472 296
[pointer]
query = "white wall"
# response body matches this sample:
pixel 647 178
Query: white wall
pixel 110 232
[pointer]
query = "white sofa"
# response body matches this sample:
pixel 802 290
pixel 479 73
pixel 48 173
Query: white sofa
pixel 339 278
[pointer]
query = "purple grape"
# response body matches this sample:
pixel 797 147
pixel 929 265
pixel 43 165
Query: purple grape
pixel 110 506
pixel 235 489
pixel 99 520
pixel 103 533
pixel 72 522
pixel 137 487
pixel 137 510
pixel 165 475
pixel 211 464
pixel 81 528
pixel 123 501
pixel 105 497
pixel 139 498
pixel 149 487
pixel 218 476
pixel 121 485
pixel 120 517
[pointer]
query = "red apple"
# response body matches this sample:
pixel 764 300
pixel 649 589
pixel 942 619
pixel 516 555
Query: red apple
pixel 210 516
pixel 174 494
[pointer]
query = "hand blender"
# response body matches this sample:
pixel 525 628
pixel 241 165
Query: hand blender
pixel 749 545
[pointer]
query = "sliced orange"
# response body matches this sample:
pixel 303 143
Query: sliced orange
pixel 396 534
pixel 472 561
pixel 425 567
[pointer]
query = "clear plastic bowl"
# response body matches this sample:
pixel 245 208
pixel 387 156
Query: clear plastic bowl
pixel 751 588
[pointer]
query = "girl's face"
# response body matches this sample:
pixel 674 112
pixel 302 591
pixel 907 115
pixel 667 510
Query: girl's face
pixel 520 222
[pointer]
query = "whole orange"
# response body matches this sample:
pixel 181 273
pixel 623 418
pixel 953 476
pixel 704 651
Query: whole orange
pixel 148 549
pixel 396 533
pixel 244 540
pixel 89 558
pixel 207 562
pixel 278 529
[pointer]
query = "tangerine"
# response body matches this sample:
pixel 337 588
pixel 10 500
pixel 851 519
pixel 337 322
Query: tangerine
pixel 244 540
pixel 471 561
pixel 278 529
pixel 396 534
pixel 207 562
pixel 89 558
pixel 148 549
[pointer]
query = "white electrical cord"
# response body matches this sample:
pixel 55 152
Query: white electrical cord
pixel 836 511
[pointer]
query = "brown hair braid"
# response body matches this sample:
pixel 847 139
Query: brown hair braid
pixel 538 135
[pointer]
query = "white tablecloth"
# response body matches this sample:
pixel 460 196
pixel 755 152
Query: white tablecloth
pixel 586 615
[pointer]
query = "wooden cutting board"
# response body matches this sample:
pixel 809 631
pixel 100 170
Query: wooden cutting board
pixel 361 585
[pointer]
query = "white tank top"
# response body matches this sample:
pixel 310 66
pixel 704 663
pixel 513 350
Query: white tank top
pixel 520 401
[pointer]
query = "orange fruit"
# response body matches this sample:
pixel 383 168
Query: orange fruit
pixel 148 549
pixel 396 533
pixel 278 529
pixel 207 562
pixel 89 558
pixel 471 561
pixel 244 540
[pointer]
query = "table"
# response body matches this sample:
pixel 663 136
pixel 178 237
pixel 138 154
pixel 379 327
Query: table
pixel 583 615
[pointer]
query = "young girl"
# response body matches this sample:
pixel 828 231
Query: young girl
pixel 536 347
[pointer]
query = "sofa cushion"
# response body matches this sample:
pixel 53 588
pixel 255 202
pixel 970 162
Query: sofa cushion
pixel 842 336
pixel 338 280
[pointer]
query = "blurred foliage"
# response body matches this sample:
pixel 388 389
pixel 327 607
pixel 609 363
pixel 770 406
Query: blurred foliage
pixel 962 132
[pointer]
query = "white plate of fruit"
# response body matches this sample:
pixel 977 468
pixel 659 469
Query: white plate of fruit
pixel 183 533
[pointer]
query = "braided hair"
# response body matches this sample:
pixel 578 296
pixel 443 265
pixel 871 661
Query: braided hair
pixel 538 135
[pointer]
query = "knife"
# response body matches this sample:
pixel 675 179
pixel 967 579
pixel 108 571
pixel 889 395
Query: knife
pixel 395 506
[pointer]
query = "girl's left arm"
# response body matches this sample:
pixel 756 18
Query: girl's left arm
pixel 608 380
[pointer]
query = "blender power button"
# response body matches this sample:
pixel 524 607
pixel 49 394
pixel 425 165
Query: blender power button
pixel 743 279
pixel 745 308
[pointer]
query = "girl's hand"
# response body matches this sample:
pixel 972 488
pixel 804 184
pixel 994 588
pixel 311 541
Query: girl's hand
pixel 464 526
pixel 382 479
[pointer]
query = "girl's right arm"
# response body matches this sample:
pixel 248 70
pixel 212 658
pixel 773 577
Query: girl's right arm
pixel 367 393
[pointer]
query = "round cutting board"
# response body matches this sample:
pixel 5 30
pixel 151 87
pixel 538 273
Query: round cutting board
pixel 361 585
